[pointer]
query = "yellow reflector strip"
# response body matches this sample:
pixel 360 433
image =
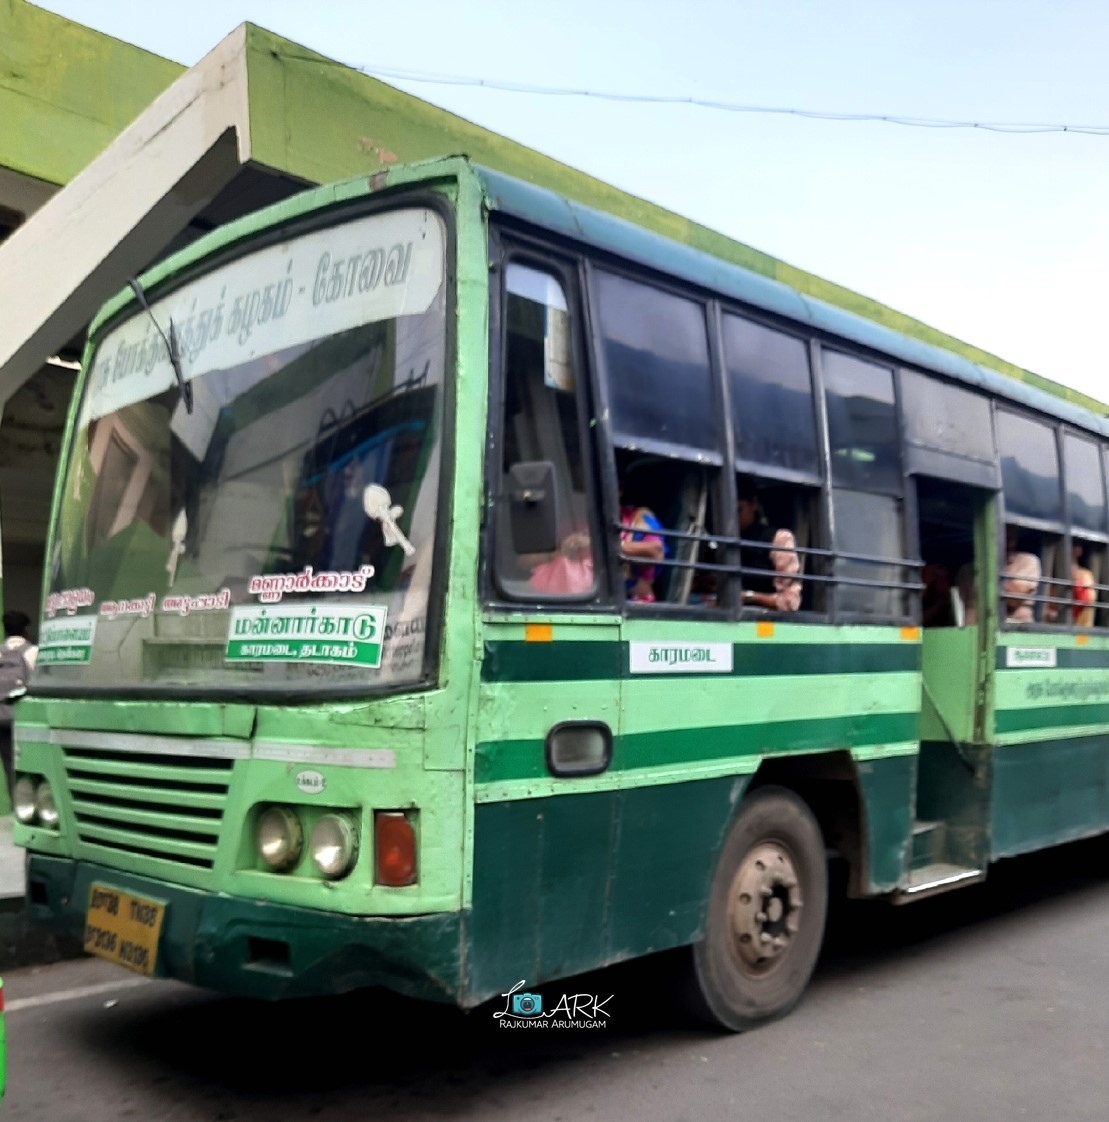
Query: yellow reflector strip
pixel 764 630
pixel 538 632
pixel 1082 640
pixel 910 633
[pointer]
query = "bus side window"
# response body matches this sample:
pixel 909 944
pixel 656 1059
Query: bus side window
pixel 690 581
pixel 1088 517
pixel 786 514
pixel 542 425
pixel 1034 526
pixel 1030 562
pixel 666 517
pixel 1087 571
pixel 873 577
pixel 777 452
pixel 662 400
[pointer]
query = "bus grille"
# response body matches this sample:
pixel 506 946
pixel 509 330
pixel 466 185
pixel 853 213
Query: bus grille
pixel 161 806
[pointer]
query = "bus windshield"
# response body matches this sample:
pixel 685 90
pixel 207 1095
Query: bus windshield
pixel 277 531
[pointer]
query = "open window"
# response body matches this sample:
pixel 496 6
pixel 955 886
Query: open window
pixel 669 548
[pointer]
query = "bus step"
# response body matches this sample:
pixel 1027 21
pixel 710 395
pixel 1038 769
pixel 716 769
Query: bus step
pixel 928 841
pixel 939 877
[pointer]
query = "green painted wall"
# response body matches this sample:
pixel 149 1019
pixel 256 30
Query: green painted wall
pixel 66 91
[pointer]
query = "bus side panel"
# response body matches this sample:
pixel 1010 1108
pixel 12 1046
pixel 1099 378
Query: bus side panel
pixel 1049 791
pixel 540 875
pixel 670 838
pixel 886 786
pixel 568 883
pixel 1051 759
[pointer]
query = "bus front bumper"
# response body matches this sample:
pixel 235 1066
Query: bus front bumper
pixel 254 948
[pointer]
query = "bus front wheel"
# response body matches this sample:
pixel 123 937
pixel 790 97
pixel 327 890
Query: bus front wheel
pixel 766 913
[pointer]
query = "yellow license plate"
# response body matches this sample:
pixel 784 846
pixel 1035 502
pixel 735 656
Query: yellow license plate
pixel 124 928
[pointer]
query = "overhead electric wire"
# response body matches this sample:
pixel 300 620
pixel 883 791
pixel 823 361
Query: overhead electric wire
pixel 729 106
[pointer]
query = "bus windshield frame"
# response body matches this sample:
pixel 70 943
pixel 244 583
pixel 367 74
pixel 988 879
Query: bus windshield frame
pixel 336 589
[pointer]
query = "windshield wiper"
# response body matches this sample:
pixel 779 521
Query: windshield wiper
pixel 171 345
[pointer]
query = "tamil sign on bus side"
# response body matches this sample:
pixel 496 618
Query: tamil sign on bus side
pixel 344 634
pixel 680 658
pixel 66 640
pixel 1030 657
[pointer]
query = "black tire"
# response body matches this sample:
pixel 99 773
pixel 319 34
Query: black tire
pixel 751 967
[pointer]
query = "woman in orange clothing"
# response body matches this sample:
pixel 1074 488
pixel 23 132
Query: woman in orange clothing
pixel 1083 591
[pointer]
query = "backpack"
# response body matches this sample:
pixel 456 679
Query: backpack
pixel 14 672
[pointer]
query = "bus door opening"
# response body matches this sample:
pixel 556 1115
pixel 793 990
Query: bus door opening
pixel 952 804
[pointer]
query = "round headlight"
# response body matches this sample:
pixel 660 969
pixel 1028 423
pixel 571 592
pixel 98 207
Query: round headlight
pixel 44 805
pixel 279 838
pixel 23 799
pixel 333 845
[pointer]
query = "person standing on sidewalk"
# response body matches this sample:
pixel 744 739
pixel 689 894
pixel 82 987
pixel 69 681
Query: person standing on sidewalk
pixel 17 660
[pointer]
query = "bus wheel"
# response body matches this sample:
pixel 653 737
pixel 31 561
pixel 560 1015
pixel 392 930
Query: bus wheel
pixel 766 913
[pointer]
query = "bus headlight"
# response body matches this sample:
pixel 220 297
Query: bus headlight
pixel 279 838
pixel 23 799
pixel 45 806
pixel 333 845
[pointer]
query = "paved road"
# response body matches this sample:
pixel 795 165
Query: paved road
pixel 991 1003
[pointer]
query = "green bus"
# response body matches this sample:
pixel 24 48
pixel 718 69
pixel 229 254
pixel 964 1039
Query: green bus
pixel 452 588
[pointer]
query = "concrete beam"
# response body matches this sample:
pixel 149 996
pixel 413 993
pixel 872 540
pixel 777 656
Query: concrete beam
pixel 115 217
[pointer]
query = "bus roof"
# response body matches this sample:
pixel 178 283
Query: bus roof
pixel 539 206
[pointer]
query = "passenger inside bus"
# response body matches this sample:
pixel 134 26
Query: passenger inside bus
pixel 667 530
pixel 639 538
pixel 773 584
pixel 1020 578
pixel 568 571
pixel 1076 600
pixel 936 608
pixel 1083 591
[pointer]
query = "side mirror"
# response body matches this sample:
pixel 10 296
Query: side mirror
pixel 533 507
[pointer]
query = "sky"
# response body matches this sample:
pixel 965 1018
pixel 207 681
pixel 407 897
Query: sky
pixel 999 239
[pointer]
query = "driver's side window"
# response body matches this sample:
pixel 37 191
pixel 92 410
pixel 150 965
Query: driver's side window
pixel 545 547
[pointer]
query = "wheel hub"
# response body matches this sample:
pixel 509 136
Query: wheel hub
pixel 765 907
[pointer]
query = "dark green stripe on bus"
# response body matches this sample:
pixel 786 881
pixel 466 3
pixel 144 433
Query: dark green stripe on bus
pixel 500 761
pixel 1051 717
pixel 518 661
